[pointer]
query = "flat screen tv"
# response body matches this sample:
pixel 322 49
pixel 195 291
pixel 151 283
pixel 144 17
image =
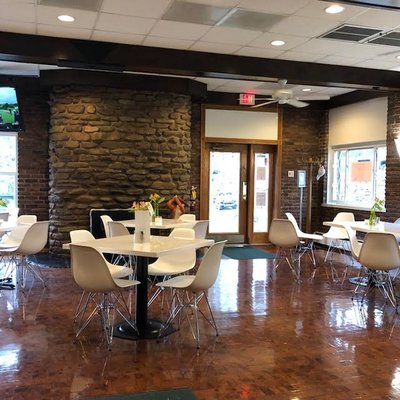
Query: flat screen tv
pixel 10 118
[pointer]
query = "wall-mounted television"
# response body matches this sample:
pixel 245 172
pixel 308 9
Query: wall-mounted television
pixel 10 117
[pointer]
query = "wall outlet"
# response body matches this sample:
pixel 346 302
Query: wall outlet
pixel 290 174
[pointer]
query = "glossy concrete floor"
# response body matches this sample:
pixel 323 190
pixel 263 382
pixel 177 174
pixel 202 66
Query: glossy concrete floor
pixel 279 340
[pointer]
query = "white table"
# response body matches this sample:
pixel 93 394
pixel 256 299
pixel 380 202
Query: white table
pixel 158 246
pixel 166 223
pixel 362 226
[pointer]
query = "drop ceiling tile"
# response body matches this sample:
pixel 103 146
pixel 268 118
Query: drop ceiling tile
pixel 340 60
pixel 137 8
pixel 194 13
pixel 377 64
pixel 299 56
pixel 212 83
pixel 18 27
pixel 157 41
pixel 377 18
pixel 230 35
pixel 251 20
pixel 365 50
pixel 21 12
pixel 324 46
pixel 258 52
pixel 334 91
pixel 115 37
pixel 274 7
pixel 48 15
pixel 216 3
pixel 223 48
pixel 265 40
pixel 303 26
pixel 124 24
pixel 316 9
pixel 60 31
pixel 179 30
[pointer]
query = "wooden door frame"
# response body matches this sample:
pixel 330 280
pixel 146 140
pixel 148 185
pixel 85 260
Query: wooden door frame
pixel 205 160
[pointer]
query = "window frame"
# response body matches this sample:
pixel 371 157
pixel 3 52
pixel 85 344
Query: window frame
pixel 331 171
pixel 10 173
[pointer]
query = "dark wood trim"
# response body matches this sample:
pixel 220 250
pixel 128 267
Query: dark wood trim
pixel 122 57
pixel 239 141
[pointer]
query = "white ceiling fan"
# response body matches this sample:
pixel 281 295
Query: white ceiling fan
pixel 284 95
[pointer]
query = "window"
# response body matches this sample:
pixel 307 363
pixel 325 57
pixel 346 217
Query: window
pixel 358 175
pixel 8 167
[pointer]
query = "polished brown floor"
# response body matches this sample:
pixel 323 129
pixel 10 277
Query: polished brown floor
pixel 279 340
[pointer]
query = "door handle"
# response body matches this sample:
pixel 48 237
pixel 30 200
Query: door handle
pixel 244 191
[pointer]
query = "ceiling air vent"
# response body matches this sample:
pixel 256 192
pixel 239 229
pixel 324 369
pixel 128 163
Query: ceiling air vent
pixel 387 39
pixel 351 33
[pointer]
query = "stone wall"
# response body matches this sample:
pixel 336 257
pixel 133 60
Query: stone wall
pixel 109 147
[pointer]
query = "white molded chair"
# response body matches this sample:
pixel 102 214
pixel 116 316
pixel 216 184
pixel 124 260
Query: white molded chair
pixel 105 219
pixel 116 228
pixel 117 271
pixel 26 219
pixel 187 217
pixel 34 239
pixel 337 235
pixel 283 235
pixel 189 290
pixel 379 255
pixel 308 245
pixel 91 273
pixel 200 229
pixel 173 264
pixel 355 248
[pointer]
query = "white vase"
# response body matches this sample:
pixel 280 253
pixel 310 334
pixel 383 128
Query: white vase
pixel 158 221
pixel 142 226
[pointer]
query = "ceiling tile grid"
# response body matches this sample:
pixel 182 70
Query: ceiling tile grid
pixel 238 27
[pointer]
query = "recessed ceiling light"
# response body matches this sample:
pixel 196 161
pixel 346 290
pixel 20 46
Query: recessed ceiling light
pixel 66 18
pixel 398 58
pixel 277 43
pixel 306 90
pixel 334 9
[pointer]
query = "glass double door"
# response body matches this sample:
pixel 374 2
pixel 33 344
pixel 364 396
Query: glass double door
pixel 239 191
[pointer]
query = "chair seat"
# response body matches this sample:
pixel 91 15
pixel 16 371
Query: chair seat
pixel 118 271
pixel 166 266
pixel 178 282
pixel 310 236
pixel 124 283
pixel 328 235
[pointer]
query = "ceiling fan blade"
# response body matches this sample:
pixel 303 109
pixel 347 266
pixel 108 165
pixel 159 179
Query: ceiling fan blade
pixel 296 103
pixel 314 97
pixel 264 103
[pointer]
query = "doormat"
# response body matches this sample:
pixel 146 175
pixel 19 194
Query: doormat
pixel 246 253
pixel 173 394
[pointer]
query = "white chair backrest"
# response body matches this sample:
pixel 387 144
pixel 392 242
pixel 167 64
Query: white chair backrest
pixel 90 270
pixel 35 238
pixel 183 233
pixel 207 272
pixel 200 229
pixel 26 219
pixel 14 238
pixel 355 245
pixel 282 233
pixel 340 232
pixel 105 219
pixel 116 228
pixel 380 251
pixel 80 235
pixel 13 214
pixel 292 219
pixel 187 217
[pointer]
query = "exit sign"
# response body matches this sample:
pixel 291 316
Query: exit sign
pixel 247 99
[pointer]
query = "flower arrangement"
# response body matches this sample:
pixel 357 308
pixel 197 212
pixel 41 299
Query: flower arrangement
pixel 377 206
pixel 3 202
pixel 156 200
pixel 139 206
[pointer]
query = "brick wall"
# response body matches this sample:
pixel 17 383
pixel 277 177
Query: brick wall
pixel 33 153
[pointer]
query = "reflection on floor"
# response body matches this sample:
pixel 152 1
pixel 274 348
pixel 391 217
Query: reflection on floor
pixel 278 340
